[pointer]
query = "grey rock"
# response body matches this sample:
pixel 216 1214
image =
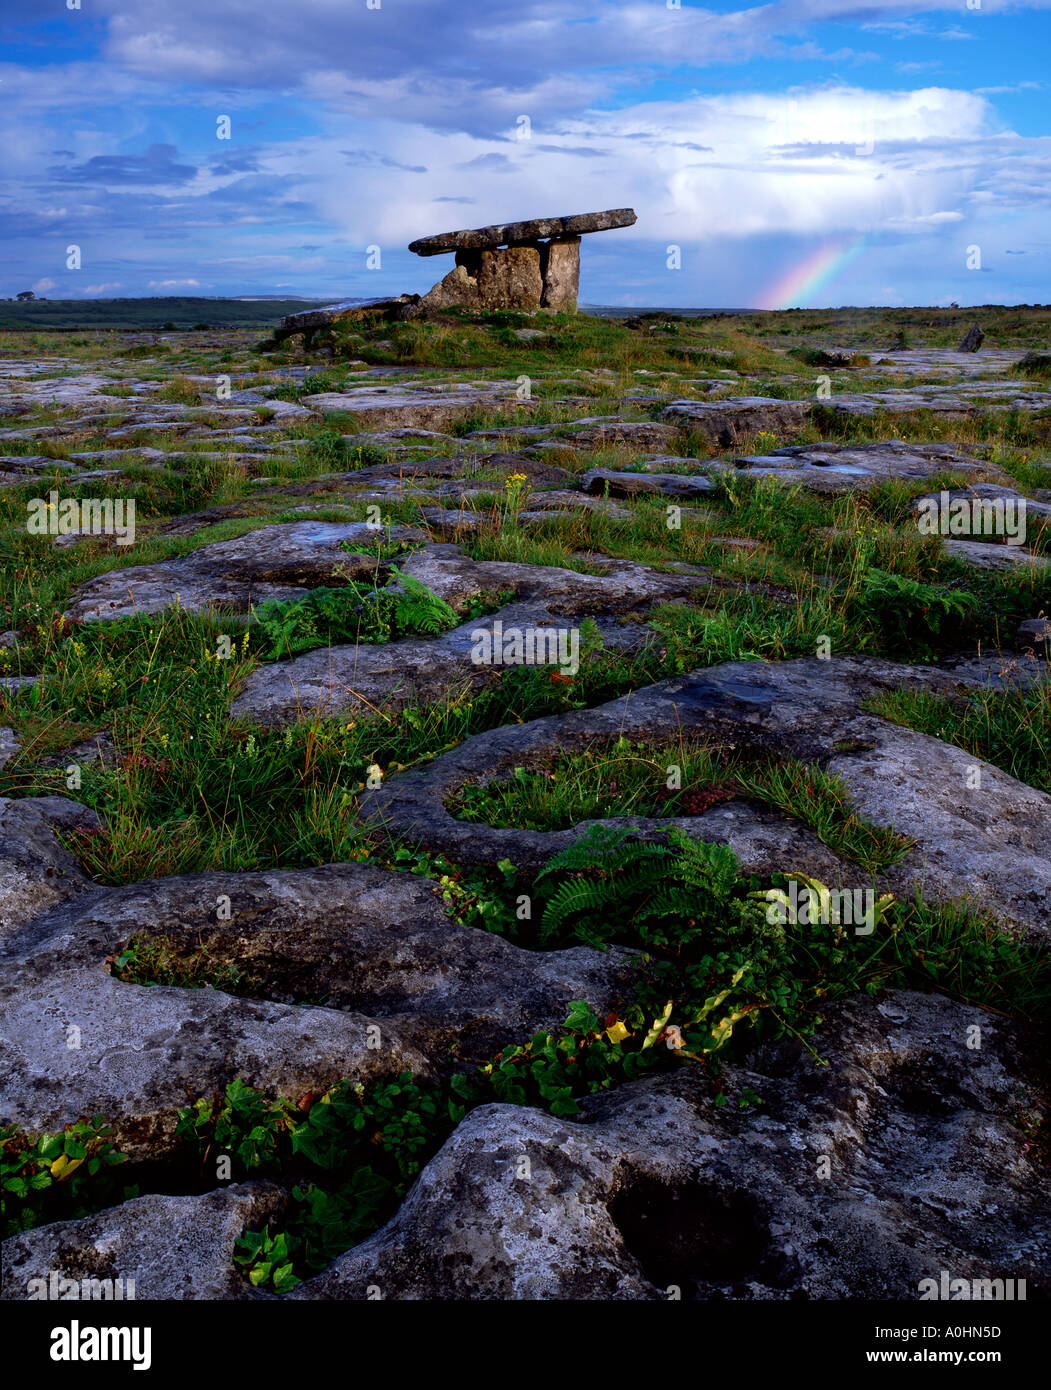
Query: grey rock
pixel 724 421
pixel 542 506
pixel 833 357
pixel 988 845
pixel 560 272
pixel 845 467
pixel 942 402
pixel 488 280
pixel 177 1248
pixel 276 562
pixel 9 745
pixel 1034 633
pixel 991 555
pixel 387 407
pixel 987 511
pixel 36 872
pixel 660 1188
pixel 598 433
pixel 309 321
pixel 972 339
pixel 376 946
pixel 421 671
pixel 97 751
pixel 605 480
pixel 1035 363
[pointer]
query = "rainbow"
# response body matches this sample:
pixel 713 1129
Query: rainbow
pixel 795 288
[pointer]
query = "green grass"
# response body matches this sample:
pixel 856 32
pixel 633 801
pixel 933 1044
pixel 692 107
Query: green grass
pixel 192 790
pixel 680 779
pixel 716 975
pixel 64 315
pixel 1009 728
pixel 161 960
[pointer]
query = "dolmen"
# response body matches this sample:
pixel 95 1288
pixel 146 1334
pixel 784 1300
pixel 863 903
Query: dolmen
pixel 515 265
pixel 528 266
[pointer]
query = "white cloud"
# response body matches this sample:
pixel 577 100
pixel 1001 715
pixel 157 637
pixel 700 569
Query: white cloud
pixel 174 285
pixel 45 286
pixel 792 163
pixel 933 219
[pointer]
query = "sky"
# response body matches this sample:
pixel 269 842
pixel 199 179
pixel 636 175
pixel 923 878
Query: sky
pixel 799 153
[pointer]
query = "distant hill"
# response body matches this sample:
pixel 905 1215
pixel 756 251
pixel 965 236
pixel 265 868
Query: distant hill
pixel 254 311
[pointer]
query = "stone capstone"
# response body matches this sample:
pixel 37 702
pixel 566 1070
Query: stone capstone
pixel 507 233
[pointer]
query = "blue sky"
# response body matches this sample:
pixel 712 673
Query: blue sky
pixel 815 152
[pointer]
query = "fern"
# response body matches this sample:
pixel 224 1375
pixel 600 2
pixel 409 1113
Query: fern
pixel 417 609
pixel 606 886
pixel 911 615
pixel 355 613
pixel 585 852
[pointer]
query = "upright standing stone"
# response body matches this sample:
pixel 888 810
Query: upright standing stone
pixel 560 268
pixel 507 279
pixel 972 339
pixel 510 278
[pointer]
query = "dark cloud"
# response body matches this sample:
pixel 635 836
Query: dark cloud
pixel 584 151
pixel 246 163
pixel 157 165
pixel 368 157
pixel 486 161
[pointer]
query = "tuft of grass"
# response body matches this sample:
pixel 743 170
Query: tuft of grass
pixel 162 960
pixel 1035 364
pixel 635 779
pixel 1010 728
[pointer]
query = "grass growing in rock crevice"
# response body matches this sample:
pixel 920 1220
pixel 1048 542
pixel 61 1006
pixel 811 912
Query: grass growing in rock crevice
pixel 1009 728
pixel 190 791
pixel 357 612
pixel 716 973
pixel 680 779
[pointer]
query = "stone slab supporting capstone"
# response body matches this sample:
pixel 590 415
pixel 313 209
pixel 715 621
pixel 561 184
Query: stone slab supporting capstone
pixel 505 279
pixel 560 270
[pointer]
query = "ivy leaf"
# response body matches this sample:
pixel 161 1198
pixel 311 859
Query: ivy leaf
pixel 659 1024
